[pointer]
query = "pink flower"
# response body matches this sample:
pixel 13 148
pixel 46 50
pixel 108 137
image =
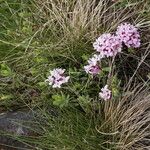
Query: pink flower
pixel 105 93
pixel 93 66
pixel 108 45
pixel 129 35
pixel 57 78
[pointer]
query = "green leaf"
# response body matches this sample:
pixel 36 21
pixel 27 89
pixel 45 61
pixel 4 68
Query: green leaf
pixel 115 92
pixel 41 59
pixel 85 57
pixel 41 84
pixel 84 102
pixel 115 86
pixel 107 69
pixel 5 70
pixel 6 97
pixel 60 100
pixel 34 71
pixel 77 85
pixel 131 50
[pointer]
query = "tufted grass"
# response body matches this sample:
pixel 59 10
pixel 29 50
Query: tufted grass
pixel 36 36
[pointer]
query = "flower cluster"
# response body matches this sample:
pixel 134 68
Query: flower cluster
pixel 57 78
pixel 129 35
pixel 107 45
pixel 93 66
pixel 105 93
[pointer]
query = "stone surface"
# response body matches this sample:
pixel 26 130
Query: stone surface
pixel 14 124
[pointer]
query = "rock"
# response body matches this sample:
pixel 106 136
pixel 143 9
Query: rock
pixel 21 124
pixel 15 124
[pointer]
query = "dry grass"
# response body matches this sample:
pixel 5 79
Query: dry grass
pixel 86 19
pixel 128 120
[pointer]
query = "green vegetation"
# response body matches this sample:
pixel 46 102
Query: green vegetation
pixel 37 36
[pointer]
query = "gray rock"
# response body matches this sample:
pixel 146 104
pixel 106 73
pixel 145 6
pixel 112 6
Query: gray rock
pixel 15 124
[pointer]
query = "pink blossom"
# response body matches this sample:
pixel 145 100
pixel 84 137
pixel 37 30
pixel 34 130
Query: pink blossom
pixel 93 66
pixel 108 45
pixel 105 93
pixel 129 35
pixel 57 78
